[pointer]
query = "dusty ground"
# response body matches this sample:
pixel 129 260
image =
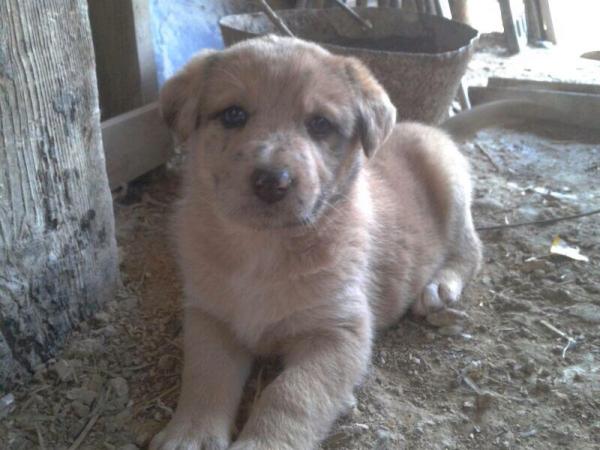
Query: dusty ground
pixel 507 380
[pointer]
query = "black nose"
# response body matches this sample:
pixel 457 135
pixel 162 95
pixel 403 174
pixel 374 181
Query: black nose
pixel 271 185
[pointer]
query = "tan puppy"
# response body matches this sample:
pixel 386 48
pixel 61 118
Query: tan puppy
pixel 308 220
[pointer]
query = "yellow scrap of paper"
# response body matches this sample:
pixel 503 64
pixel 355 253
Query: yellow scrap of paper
pixel 560 247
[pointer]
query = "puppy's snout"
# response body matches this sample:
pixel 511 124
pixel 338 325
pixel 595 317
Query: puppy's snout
pixel 271 185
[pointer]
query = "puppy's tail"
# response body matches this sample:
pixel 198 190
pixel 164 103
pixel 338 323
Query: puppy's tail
pixel 499 113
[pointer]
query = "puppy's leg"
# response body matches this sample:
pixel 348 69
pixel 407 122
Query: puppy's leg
pixel 461 264
pixel 450 180
pixel 446 287
pixel 215 370
pixel 296 410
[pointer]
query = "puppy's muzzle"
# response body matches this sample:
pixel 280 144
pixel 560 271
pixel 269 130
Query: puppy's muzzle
pixel 271 185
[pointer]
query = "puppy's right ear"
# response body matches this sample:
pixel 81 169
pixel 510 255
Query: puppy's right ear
pixel 179 97
pixel 376 115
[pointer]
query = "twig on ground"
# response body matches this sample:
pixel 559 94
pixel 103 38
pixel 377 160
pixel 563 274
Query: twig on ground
pixel 94 416
pixel 538 222
pixel 487 156
pixel 40 437
pixel 274 18
pixel 467 380
pixel 570 341
pixel 142 404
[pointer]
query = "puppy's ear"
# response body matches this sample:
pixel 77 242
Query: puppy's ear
pixel 179 97
pixel 375 113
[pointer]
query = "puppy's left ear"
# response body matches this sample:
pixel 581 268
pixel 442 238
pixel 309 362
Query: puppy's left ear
pixel 376 115
pixel 179 98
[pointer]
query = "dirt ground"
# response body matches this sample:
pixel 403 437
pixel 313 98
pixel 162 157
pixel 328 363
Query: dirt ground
pixel 524 373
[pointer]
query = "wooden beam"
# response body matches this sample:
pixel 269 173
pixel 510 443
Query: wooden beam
pixel 135 143
pixel 499 82
pixel 546 21
pixel 125 64
pixel 145 51
pixel 572 108
pixel 515 25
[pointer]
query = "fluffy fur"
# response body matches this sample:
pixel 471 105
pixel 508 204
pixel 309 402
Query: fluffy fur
pixel 377 221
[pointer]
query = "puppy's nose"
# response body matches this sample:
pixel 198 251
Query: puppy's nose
pixel 271 185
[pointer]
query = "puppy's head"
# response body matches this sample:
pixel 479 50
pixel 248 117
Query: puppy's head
pixel 278 128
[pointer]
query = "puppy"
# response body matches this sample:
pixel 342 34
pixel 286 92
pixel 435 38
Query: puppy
pixel 309 220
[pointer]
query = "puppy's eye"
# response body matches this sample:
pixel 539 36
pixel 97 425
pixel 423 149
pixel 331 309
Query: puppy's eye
pixel 319 127
pixel 234 117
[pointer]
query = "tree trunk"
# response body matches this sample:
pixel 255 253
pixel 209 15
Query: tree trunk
pixel 58 259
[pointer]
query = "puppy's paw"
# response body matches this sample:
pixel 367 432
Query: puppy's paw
pixel 439 294
pixel 180 435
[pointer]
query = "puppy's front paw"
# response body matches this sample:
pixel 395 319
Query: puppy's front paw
pixel 185 435
pixel 438 295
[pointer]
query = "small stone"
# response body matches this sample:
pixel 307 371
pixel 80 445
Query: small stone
pixel 166 363
pixel 475 370
pixel 561 396
pixel 102 317
pixel 94 383
pixel 86 396
pixel 559 295
pixel 430 336
pixel 80 409
pixel 592 289
pixel 488 204
pixel 39 372
pixel 503 349
pixel 447 317
pixel 453 330
pixel 483 402
pixel 542 386
pixel 588 312
pixel 536 264
pixel 384 439
pixel 88 346
pixel 121 390
pixel 109 331
pixel 529 367
pixel 130 303
pixel 63 370
pixel 119 386
pixel 7 405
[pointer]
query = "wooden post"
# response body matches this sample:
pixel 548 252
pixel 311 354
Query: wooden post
pixel 58 258
pixel 515 26
pixel 124 54
pixel 460 10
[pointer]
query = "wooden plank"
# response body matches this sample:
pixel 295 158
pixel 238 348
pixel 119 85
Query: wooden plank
pixel 532 16
pixel 124 54
pixel 499 82
pixel 515 26
pixel 135 143
pixel 145 51
pixel 546 21
pixel 568 107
